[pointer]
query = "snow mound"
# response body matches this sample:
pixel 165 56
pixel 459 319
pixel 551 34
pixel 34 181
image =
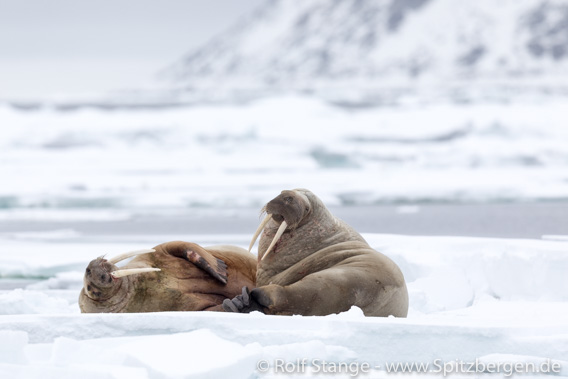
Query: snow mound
pixel 21 301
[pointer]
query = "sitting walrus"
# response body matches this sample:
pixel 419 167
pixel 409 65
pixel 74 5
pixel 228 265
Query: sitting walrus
pixel 174 276
pixel 315 264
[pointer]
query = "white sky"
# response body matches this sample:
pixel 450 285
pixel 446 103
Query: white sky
pixel 51 47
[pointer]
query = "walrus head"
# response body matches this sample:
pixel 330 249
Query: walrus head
pixel 103 278
pixel 288 209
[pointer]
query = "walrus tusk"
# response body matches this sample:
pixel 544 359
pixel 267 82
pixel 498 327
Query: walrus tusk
pixel 124 256
pixel 279 233
pixel 259 229
pixel 132 271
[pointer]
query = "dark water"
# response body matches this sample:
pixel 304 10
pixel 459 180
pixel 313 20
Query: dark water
pixel 519 220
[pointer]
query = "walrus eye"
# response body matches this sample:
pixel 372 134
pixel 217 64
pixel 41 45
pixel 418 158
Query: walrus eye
pixel 88 271
pixel 103 277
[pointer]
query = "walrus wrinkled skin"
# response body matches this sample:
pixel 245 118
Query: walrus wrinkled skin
pixel 319 265
pixel 190 278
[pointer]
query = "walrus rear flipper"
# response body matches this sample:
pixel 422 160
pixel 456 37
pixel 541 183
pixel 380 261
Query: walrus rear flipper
pixel 242 303
pixel 199 257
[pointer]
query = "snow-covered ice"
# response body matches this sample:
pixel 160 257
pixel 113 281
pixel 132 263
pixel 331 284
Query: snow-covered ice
pixel 495 300
pixel 241 155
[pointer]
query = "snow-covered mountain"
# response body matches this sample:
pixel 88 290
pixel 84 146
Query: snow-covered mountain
pixel 366 44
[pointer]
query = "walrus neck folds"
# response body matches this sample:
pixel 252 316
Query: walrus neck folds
pixel 317 228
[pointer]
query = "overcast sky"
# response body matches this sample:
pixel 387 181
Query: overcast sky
pixel 50 47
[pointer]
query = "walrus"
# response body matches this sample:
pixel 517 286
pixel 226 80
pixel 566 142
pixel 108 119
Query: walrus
pixel 173 276
pixel 313 264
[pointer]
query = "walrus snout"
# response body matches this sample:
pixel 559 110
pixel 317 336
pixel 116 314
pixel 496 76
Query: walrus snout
pixel 98 280
pixel 290 206
pixel 102 277
pixel 287 209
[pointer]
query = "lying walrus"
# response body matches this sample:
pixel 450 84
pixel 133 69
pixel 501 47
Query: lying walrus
pixel 174 276
pixel 315 264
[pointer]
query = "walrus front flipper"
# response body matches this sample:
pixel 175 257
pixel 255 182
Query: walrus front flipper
pixel 208 263
pixel 199 257
pixel 242 303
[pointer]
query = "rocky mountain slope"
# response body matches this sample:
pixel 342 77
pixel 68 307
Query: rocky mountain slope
pixel 364 44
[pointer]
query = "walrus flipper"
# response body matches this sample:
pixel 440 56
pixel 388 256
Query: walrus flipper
pixel 200 257
pixel 211 265
pixel 243 303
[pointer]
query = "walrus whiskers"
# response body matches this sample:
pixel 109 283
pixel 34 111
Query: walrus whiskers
pixel 132 271
pixel 130 254
pixel 258 230
pixel 279 233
